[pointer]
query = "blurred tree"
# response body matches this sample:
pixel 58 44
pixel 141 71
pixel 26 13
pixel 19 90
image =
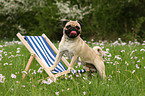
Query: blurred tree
pixel 102 19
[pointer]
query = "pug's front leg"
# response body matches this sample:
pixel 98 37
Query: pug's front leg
pixel 72 63
pixel 57 60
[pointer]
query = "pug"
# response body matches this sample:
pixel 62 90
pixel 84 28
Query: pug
pixel 72 44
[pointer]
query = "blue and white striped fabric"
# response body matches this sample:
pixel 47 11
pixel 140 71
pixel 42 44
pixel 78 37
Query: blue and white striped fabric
pixel 44 52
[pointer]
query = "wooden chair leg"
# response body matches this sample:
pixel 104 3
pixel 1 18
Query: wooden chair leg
pixel 28 65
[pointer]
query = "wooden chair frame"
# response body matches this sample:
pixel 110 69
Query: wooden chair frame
pixel 34 55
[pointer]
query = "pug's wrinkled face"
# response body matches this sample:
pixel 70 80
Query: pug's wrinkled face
pixel 72 29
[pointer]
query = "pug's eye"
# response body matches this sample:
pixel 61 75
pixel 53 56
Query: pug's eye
pixel 69 26
pixel 77 27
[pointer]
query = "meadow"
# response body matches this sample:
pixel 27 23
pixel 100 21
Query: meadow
pixel 124 62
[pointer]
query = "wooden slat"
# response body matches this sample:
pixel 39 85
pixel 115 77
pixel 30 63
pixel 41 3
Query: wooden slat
pixel 55 49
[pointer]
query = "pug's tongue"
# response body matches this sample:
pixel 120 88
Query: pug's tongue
pixel 73 33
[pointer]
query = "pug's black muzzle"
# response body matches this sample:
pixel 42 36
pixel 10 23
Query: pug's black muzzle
pixel 72 32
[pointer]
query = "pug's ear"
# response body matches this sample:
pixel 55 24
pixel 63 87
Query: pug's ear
pixel 64 22
pixel 81 24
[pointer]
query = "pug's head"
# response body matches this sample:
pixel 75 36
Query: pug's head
pixel 72 29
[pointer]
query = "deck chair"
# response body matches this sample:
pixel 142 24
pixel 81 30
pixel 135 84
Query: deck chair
pixel 43 50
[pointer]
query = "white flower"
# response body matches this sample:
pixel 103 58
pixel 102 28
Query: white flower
pixel 2 78
pixel 57 93
pixel 1 46
pixel 24 72
pixel 137 66
pixel 133 71
pixel 13 75
pixel 84 93
pixel 107 49
pixel 142 49
pixel 122 50
pixel 67 88
pixel 40 70
pixel 49 81
pixel 117 57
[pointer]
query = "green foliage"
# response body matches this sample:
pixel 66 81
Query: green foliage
pixel 113 19
pixel 102 19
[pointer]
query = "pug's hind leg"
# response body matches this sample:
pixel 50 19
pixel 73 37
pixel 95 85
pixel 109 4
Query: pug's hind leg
pixel 101 69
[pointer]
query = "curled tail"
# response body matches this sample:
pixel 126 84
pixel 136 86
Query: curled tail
pixel 98 50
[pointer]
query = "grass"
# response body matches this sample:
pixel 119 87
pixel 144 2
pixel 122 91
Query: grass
pixel 124 63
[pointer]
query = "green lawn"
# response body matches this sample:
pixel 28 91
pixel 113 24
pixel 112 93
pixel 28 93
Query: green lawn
pixel 125 68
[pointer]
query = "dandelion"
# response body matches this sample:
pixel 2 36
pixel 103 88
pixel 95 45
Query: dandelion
pixel 13 75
